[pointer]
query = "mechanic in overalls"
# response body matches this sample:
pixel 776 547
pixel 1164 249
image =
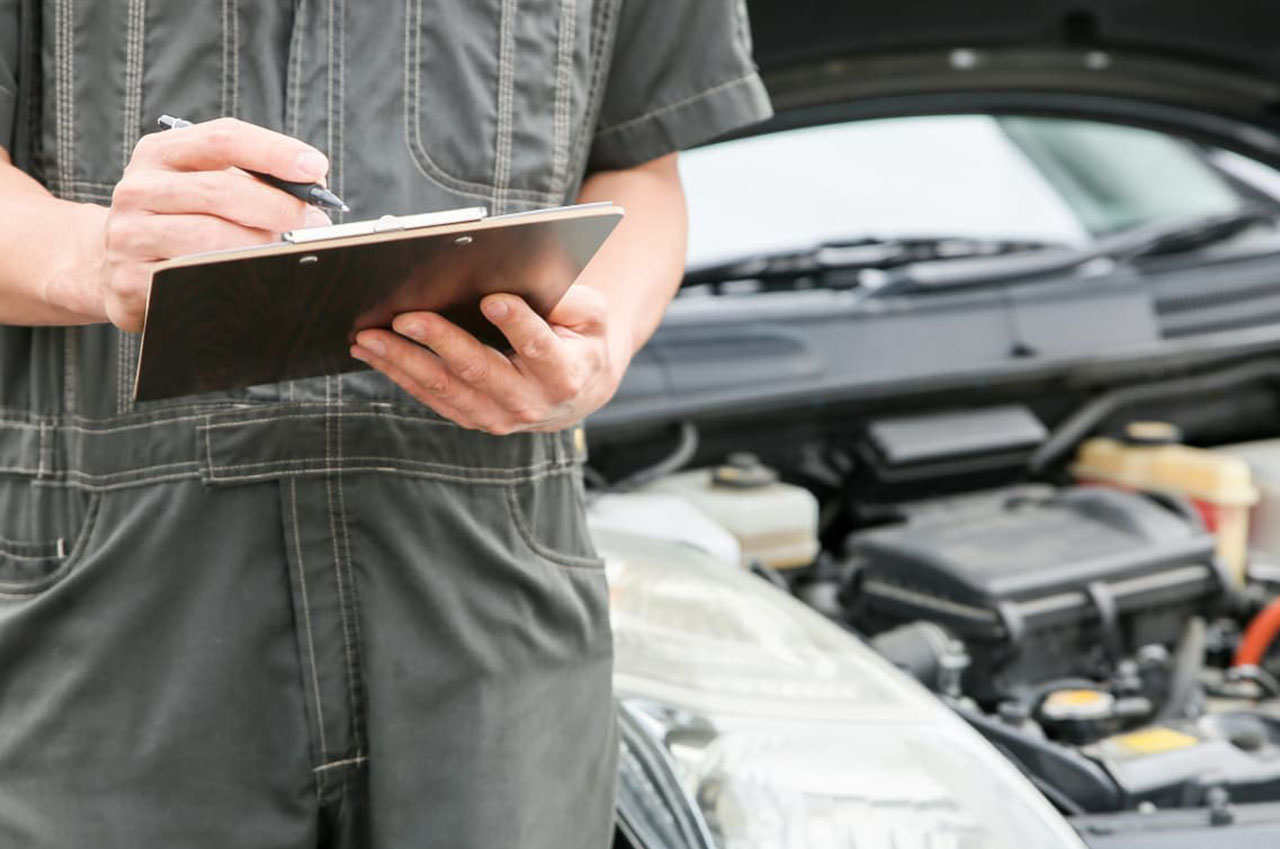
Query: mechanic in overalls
pixel 333 612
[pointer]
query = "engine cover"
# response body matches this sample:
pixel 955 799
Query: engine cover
pixel 1039 587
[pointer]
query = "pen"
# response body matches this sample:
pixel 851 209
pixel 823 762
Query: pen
pixel 313 193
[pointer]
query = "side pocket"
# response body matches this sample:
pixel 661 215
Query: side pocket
pixel 28 567
pixel 550 516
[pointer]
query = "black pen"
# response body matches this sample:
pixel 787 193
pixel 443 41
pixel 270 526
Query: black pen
pixel 312 193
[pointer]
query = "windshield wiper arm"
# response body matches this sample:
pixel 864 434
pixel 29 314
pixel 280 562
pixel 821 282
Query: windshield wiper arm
pixel 1158 239
pixel 830 258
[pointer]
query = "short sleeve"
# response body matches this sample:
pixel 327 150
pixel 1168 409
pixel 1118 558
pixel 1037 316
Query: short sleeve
pixel 8 71
pixel 681 74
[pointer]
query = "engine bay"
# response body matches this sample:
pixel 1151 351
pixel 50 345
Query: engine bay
pixel 1094 589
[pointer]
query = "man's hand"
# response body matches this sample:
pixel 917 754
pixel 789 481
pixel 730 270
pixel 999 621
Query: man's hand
pixel 559 371
pixel 183 193
pixel 566 367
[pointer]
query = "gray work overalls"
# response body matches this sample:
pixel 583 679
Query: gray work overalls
pixel 314 613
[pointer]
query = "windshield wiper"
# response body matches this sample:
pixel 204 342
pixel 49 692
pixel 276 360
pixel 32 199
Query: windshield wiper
pixel 1162 238
pixel 879 267
pixel 837 264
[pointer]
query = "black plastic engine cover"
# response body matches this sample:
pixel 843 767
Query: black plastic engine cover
pixel 1039 587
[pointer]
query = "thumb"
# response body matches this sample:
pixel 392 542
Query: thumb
pixel 582 310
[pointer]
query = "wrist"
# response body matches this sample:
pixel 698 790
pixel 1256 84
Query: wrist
pixel 73 282
pixel 621 340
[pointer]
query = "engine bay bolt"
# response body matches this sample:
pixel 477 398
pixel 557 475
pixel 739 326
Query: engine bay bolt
pixel 1014 713
pixel 1128 678
pixel 953 663
pixel 743 470
pixel 1219 801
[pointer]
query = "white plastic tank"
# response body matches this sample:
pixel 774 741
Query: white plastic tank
pixel 775 523
pixel 668 517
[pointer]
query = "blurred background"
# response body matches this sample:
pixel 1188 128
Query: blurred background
pixel 944 508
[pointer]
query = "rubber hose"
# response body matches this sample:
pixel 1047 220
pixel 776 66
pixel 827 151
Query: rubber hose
pixel 1188 662
pixel 685 450
pixel 1259 636
pixel 1079 424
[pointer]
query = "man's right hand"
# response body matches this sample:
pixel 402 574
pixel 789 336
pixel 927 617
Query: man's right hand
pixel 183 193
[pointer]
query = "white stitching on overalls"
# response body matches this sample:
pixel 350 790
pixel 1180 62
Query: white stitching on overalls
pixel 344 762
pixel 671 107
pixel 135 42
pixel 605 25
pixel 506 107
pixel 340 154
pixel 306 615
pixel 43 450
pixel 224 98
pixel 134 46
pixel 418 153
pixel 564 95
pixel 329 84
pixel 330 471
pixel 340 177
pixel 299 18
pixel 62 85
pixel 235 58
pixel 525 530
pixel 357 725
pixel 64 30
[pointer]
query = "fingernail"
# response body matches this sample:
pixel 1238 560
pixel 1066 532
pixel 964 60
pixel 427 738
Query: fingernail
pixel 317 218
pixel 495 308
pixel 357 353
pixel 373 344
pixel 414 331
pixel 312 164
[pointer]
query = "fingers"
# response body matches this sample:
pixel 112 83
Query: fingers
pixel 539 351
pixel 555 374
pixel 410 384
pixel 231 195
pixel 184 192
pixel 465 356
pixel 425 376
pixel 229 143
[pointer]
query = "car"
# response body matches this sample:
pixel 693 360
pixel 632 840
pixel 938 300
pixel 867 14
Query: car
pixel 943 509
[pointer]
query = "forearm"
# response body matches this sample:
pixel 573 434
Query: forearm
pixel 50 250
pixel 640 267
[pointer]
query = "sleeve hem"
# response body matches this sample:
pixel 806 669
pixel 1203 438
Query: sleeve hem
pixel 8 106
pixel 682 124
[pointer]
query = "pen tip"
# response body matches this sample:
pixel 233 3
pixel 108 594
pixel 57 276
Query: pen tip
pixel 346 208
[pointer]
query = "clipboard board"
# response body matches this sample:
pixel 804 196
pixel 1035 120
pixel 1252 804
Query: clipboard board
pixel 289 310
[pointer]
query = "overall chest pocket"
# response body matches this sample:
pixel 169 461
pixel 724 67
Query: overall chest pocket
pixel 495 95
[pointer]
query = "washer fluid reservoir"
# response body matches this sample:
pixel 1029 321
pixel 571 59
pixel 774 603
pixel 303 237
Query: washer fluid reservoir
pixel 775 523
pixel 1149 456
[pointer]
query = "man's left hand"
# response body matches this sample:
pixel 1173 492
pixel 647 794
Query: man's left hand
pixel 560 369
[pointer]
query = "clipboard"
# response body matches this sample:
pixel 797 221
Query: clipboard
pixel 289 310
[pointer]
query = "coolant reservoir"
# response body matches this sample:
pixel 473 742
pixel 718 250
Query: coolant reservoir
pixel 1150 457
pixel 775 523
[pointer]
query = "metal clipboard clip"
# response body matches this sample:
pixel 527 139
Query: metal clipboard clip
pixel 387 224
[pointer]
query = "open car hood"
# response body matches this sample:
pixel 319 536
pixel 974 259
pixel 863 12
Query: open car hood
pixel 1211 69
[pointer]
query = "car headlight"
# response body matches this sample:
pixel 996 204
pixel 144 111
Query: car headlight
pixel 782 730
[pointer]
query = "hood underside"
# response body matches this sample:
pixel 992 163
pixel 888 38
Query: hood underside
pixel 1201 67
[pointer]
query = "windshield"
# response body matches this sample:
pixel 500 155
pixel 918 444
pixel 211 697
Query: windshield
pixel 1046 180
